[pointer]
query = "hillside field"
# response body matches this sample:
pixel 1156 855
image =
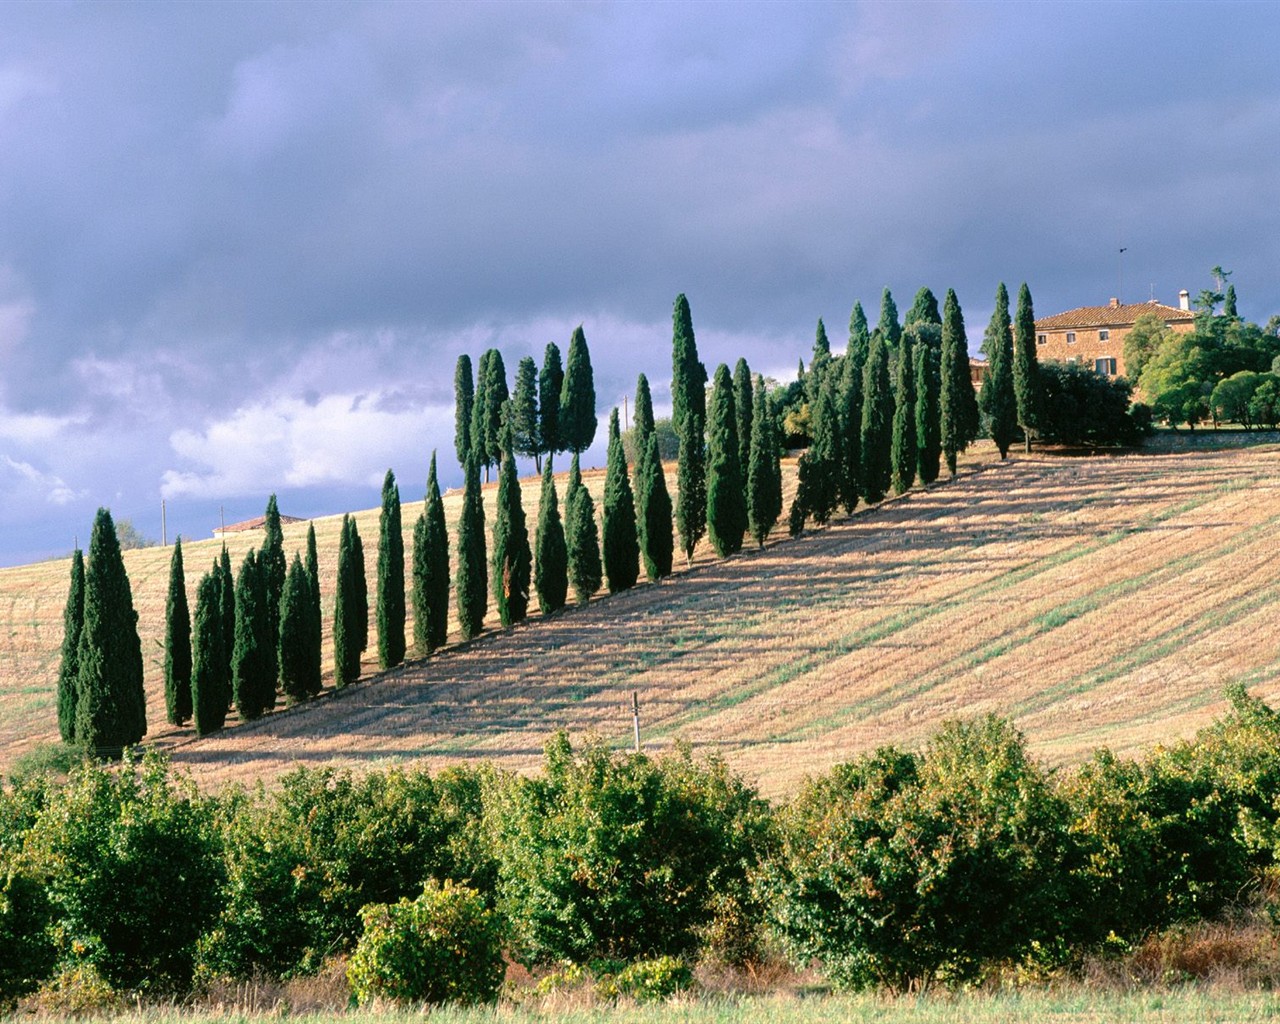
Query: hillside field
pixel 1097 601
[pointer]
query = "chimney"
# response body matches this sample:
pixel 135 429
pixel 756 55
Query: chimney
pixel 1184 300
pixel 1115 303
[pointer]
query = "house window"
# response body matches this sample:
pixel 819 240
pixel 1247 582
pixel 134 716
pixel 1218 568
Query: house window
pixel 1104 335
pixel 1071 337
pixel 1107 366
pixel 1041 339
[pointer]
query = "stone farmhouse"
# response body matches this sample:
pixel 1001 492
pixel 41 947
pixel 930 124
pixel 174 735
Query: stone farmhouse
pixel 1094 335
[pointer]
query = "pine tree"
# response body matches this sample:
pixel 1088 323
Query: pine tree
pixel 764 504
pixel 581 537
pixel 744 408
pixel 726 491
pixel 688 375
pixel 111 706
pixel 390 598
pixel 431 571
pixel 957 404
pixel 924 310
pixel 1026 366
pixel 904 455
pixel 850 403
pixel 253 663
pixel 551 574
pixel 876 438
pixel 578 397
pixel 208 683
pixel 346 639
pixel 691 485
pixel 642 424
pixel 926 342
pixel 526 436
pixel 69 668
pixel 294 654
pixel 472 583
pixel 997 399
pixel 824 456
pixel 486 413
pixel 315 637
pixel 550 384
pixel 464 392
pixel 621 544
pixel 177 643
pixel 361 583
pixel 889 327
pixel 653 512
pixel 227 583
pixel 274 568
pixel 512 560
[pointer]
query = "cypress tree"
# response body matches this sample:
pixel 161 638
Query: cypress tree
pixel 512 559
pixel 621 544
pixel 889 327
pixel 853 370
pixel 431 571
pixel 69 668
pixel 346 641
pixel 551 574
pixel 691 485
pixel 581 538
pixel 208 684
pixel 1229 303
pixel 471 584
pixel 877 421
pixel 177 643
pixel 764 503
pixel 1026 366
pixel 653 512
pixel 956 404
pixel 252 671
pixel 274 567
pixel 487 413
pixel 464 393
pixel 642 424
pixel 315 637
pixel 726 491
pixel 688 375
pixel 391 608
pixel 904 455
pixel 526 437
pixel 924 310
pixel 578 397
pixel 997 399
pixel 744 409
pixel 227 599
pixel 819 365
pixel 361 584
pixel 111 706
pixel 294 654
pixel 926 340
pixel 550 384
pixel 824 457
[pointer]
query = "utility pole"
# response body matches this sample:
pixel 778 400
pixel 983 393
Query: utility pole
pixel 222 515
pixel 624 413
pixel 1120 274
pixel 635 717
pixel 164 525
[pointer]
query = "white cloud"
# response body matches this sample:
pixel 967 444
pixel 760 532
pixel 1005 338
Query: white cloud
pixel 54 488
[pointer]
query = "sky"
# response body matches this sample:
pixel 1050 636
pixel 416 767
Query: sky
pixel 242 245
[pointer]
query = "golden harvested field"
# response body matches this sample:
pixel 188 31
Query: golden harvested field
pixel 1096 601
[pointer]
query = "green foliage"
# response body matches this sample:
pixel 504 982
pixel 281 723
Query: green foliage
pixel 619 856
pixel 849 407
pixel 688 375
pixel 926 340
pixel 299 651
pixel 464 390
pixel 177 643
pixel 551 566
pixel 691 484
pixel 253 662
pixel 764 480
pixel 820 364
pixel 997 400
pixel 726 487
pixel 904 452
pixel 1080 406
pixel 957 405
pixel 1026 366
pixel 876 438
pixel 111 707
pixel 512 559
pixel 653 512
pixel 313 584
pixel 525 425
pixel 822 462
pixel 581 538
pixel 227 611
pixel 471 583
pixel 210 684
pixel 390 603
pixel 69 665
pixel 663 432
pixel 578 397
pixel 443 947
pixel 888 325
pixel 642 422
pixel 133 868
pixel 924 310
pixel 131 538
pixel 550 384
pixel 487 412
pixel 744 410
pixel 621 541
pixel 25 918
pixel 274 567
pixel 431 570
pixel 1233 398
pixel 346 610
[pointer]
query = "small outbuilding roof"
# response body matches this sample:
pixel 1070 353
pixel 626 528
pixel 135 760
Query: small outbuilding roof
pixel 253 524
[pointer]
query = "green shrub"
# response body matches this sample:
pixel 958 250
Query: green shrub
pixel 443 947
pixel 648 981
pixel 27 954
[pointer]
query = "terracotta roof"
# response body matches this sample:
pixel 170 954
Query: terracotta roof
pixel 1112 316
pixel 254 524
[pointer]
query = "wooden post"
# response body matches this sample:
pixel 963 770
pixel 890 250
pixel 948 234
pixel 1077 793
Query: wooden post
pixel 635 717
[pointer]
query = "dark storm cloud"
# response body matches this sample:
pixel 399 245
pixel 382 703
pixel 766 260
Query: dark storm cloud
pixel 227 224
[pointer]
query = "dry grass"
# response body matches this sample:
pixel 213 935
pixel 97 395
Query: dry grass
pixel 1097 601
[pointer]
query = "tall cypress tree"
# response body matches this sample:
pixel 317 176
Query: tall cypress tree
pixel 472 583
pixel 487 413
pixel 227 597
pixel 111 706
pixel 464 393
pixel 250 667
pixel 208 684
pixel 997 399
pixel 361 582
pixel 391 605
pixel 691 485
pixel 819 365
pixel 956 404
pixel 581 537
pixel 926 343
pixel 578 397
pixel 177 643
pixel 294 654
pixel 642 424
pixel 512 560
pixel 889 327
pixel 274 568
pixel 877 421
pixel 316 635
pixel 551 572
pixel 550 384
pixel 924 310
pixel 431 571
pixel 526 435
pixel 688 375
pixel 904 454
pixel 726 492
pixel 69 668
pixel 744 408
pixel 824 456
pixel 653 512
pixel 764 503
pixel 850 402
pixel 346 639
pixel 1026 366
pixel 1229 303
pixel 621 544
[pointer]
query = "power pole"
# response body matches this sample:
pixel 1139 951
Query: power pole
pixel 635 717
pixel 164 526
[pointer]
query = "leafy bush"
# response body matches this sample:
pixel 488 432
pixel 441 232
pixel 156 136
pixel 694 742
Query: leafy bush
pixel 443 947
pixel 27 954
pixel 1081 406
pixel 648 981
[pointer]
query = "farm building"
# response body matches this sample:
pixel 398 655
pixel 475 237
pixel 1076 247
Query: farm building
pixel 252 524
pixel 1094 335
